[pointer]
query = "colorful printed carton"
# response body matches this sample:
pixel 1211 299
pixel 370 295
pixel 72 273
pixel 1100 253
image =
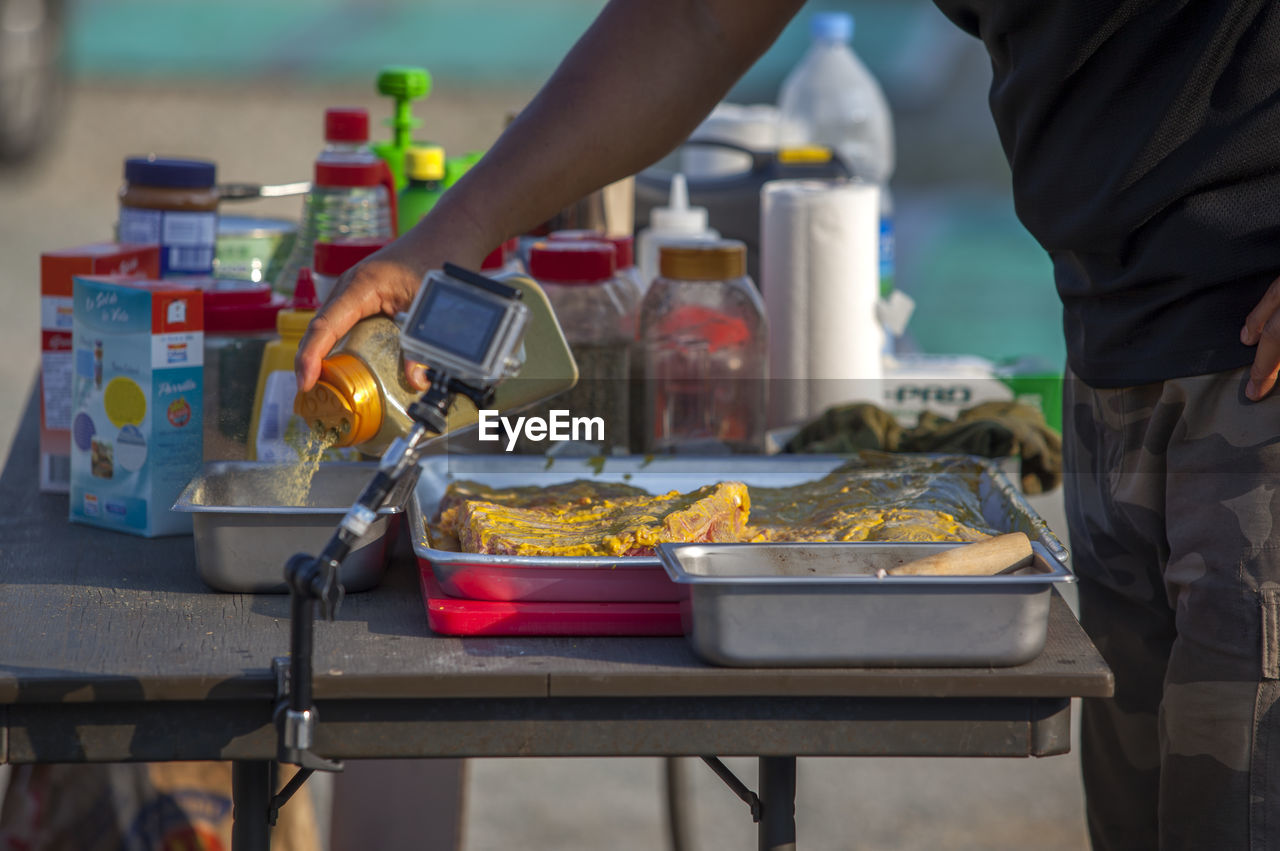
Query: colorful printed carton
pixel 138 352
pixel 56 271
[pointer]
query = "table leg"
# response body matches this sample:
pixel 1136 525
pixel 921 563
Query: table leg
pixel 679 804
pixel 778 803
pixel 250 796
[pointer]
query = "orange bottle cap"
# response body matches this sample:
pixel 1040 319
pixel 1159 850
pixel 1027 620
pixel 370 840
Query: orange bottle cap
pixel 344 403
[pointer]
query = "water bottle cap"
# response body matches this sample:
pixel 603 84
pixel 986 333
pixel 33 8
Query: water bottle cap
pixel 425 162
pixel 576 262
pixel 831 26
pixel 346 124
pixel 334 258
pixel 678 215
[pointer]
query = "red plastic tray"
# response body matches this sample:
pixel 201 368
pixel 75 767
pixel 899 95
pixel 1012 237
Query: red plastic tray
pixel 457 616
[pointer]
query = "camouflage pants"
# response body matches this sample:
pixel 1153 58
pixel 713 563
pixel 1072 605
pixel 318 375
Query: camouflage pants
pixel 1175 535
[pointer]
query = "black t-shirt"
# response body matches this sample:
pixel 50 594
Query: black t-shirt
pixel 1144 138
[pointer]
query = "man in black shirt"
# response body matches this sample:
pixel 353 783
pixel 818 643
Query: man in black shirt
pixel 1144 139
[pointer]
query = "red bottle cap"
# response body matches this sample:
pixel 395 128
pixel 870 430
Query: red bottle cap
pixel 239 307
pixel 571 262
pixel 623 246
pixel 495 259
pixel 334 258
pixel 304 292
pixel 346 124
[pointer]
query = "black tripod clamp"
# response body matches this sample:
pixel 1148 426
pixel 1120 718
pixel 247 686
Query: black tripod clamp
pixel 315 586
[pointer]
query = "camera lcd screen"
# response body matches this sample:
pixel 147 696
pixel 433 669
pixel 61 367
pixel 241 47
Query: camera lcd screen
pixel 458 322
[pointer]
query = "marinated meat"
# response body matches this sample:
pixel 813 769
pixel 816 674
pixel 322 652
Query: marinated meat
pixel 854 503
pixel 884 498
pixel 622 526
pixel 443 527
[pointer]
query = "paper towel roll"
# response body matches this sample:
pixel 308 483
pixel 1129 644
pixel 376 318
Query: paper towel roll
pixel 819 271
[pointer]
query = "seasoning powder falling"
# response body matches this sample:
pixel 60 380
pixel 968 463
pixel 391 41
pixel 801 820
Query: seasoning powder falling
pixel 293 484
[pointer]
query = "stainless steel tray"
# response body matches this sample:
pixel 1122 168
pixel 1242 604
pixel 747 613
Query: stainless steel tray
pixel 243 539
pixel 824 604
pixel 622 579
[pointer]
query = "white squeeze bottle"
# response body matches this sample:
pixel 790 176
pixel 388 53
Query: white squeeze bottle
pixel 832 99
pixel 676 222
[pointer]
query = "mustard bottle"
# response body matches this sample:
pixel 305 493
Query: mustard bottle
pixel 274 432
pixel 361 398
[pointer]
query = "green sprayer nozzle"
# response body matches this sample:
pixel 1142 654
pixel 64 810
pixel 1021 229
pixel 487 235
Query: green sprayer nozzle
pixel 405 84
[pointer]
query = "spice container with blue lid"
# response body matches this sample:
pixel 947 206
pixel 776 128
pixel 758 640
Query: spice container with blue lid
pixel 172 203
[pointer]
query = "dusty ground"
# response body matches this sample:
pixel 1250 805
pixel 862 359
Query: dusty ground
pixel 258 134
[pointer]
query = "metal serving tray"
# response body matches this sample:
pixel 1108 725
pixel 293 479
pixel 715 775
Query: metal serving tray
pixel 825 604
pixel 243 540
pixel 640 578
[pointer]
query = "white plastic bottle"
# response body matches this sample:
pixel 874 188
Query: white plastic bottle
pixel 676 222
pixel 832 99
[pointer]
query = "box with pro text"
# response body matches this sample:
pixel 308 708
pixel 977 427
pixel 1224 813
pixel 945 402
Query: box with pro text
pixel 57 268
pixel 136 389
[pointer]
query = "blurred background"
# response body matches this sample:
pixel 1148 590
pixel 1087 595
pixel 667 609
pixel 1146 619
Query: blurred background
pixel 85 83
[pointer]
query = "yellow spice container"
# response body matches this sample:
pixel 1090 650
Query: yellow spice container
pixel 274 430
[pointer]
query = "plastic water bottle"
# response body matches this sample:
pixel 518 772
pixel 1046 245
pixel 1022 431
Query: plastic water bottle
pixel 831 99
pixel 352 194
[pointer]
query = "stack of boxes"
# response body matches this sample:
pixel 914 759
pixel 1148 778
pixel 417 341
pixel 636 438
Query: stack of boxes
pixel 121 384
pixel 137 383
pixel 57 270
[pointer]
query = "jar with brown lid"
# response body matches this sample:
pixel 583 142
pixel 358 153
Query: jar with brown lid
pixel 172 203
pixel 703 340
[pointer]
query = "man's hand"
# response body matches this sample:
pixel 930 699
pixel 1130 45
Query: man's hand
pixel 1262 329
pixel 595 121
pixel 382 283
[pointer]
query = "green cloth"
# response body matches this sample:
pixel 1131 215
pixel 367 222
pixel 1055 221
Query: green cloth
pixel 991 430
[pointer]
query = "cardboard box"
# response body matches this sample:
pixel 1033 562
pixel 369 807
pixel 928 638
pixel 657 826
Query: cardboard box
pixel 137 376
pixel 56 271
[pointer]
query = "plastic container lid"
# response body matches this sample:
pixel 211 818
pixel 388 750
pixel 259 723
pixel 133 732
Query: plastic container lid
pixel 169 172
pixel 709 260
pixel 678 215
pixel 497 258
pixel 346 124
pixel 831 26
pixel 238 307
pixel 571 262
pixel 623 246
pixel 334 258
pixel 425 162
